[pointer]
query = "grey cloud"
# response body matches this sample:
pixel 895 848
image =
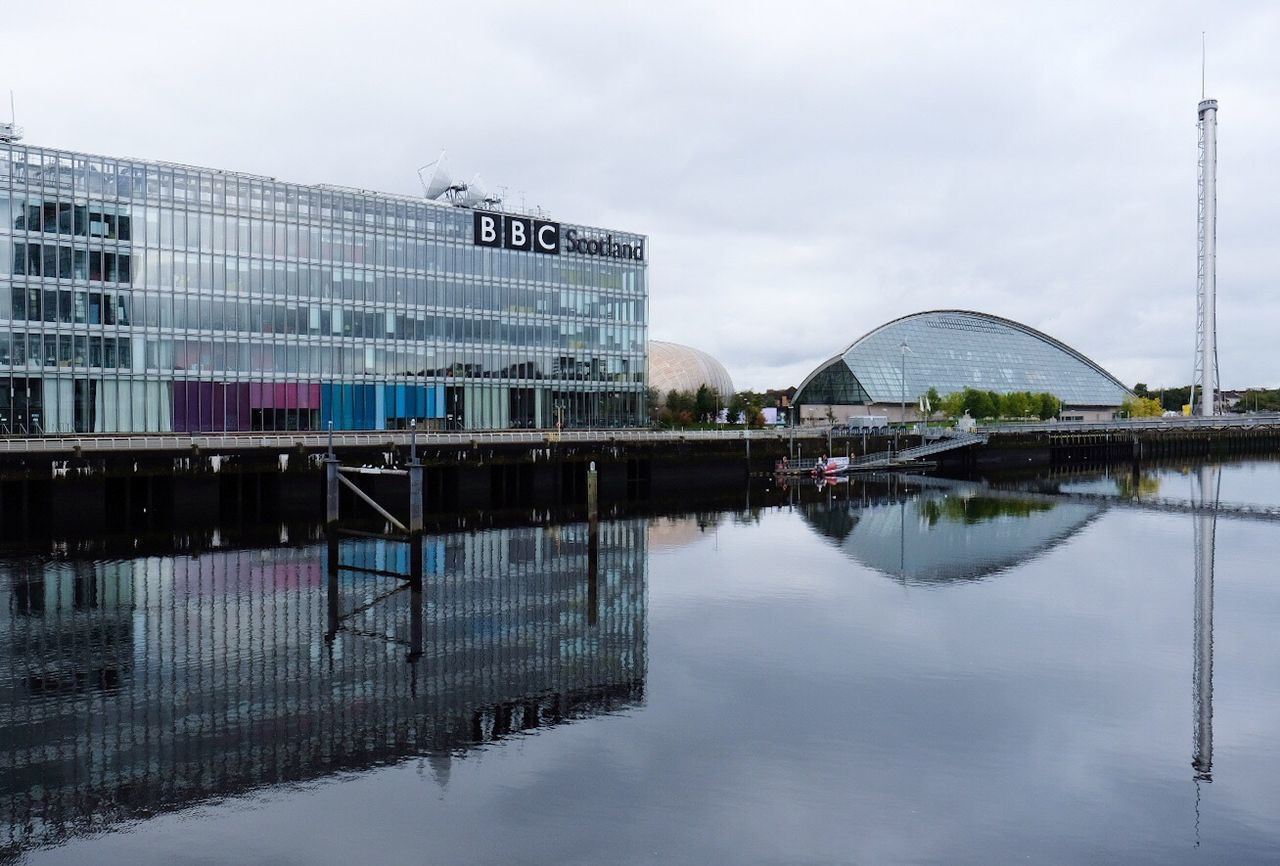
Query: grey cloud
pixel 804 174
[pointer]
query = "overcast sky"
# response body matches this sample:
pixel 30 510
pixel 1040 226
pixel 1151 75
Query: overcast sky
pixel 804 172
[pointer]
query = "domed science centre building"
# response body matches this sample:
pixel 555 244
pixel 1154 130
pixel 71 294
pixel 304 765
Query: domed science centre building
pixel 950 350
pixel 673 367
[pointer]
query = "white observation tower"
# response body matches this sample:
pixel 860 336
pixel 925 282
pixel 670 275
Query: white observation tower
pixel 1205 377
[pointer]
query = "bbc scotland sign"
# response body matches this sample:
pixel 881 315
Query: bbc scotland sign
pixel 509 232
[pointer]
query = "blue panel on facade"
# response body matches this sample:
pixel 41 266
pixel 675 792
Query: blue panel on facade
pixel 439 411
pixel 368 419
pixel 326 406
pixel 347 405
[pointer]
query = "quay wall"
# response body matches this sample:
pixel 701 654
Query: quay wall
pixel 85 484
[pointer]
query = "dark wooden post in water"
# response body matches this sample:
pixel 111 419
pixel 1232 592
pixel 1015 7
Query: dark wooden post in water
pixel 330 483
pixel 593 489
pixel 415 493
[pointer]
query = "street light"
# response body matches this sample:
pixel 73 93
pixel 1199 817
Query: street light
pixel 905 349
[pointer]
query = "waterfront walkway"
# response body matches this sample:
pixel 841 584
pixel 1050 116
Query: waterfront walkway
pixel 319 440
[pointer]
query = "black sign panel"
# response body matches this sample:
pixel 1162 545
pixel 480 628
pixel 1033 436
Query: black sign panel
pixel 546 237
pixel 519 233
pixel 516 233
pixel 488 229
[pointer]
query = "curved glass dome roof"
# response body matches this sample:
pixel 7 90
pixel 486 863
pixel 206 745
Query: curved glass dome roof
pixel 933 537
pixel 673 367
pixel 954 349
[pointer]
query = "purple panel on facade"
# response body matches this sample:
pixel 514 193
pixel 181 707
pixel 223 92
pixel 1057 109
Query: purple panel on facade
pixel 206 405
pixel 219 407
pixel 291 395
pixel 180 407
pixel 255 394
pixel 243 393
pixel 280 402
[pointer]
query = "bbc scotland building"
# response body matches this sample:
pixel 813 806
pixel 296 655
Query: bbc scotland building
pixel 148 296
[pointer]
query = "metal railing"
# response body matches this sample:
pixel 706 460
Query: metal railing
pixel 1182 422
pixel 318 440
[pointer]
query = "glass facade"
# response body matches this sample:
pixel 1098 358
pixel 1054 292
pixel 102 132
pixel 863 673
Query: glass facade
pixel 952 350
pixel 139 296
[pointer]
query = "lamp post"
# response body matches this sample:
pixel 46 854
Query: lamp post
pixel 905 349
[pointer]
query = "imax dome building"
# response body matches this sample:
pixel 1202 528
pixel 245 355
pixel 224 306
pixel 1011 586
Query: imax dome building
pixel 951 350
pixel 673 367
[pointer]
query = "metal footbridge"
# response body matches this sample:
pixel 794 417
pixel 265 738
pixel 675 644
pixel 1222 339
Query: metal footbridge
pixel 907 458
pixel 1168 505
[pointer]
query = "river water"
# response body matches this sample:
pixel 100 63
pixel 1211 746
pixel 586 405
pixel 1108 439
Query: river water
pixel 1071 669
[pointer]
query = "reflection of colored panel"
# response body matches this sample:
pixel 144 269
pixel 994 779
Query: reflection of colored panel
pixel 433 553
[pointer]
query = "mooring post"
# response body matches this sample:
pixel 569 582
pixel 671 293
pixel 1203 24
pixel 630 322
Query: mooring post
pixel 415 485
pixel 330 483
pixel 330 491
pixel 592 492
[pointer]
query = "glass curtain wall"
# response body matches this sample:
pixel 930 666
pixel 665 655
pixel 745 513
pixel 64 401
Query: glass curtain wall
pixel 154 297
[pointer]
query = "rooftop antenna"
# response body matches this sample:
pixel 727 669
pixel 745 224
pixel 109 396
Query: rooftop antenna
pixel 11 131
pixel 1202 62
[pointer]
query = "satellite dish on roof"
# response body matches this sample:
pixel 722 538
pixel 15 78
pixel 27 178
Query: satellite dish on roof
pixel 436 180
pixel 474 193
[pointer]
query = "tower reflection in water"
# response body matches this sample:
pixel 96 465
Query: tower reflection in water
pixel 129 688
pixel 944 533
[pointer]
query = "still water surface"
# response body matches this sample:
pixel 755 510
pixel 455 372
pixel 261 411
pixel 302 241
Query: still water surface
pixel 868 673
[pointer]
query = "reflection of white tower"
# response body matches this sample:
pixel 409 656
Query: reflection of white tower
pixel 1208 481
pixel 1205 377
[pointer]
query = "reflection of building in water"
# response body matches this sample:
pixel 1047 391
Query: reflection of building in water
pixel 1208 482
pixel 670 533
pixel 930 536
pixel 132 687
